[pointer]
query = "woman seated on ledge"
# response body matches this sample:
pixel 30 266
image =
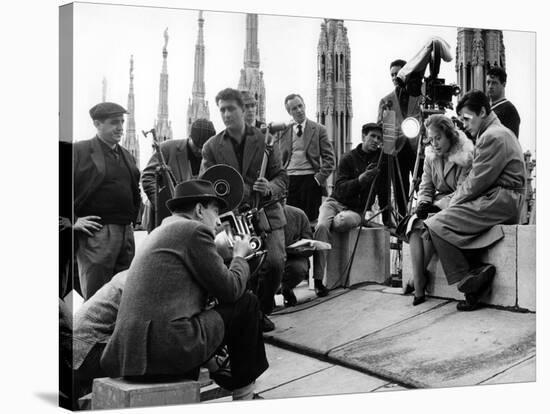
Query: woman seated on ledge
pixel 447 162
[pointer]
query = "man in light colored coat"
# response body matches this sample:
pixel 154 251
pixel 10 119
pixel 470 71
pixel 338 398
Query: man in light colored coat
pixel 491 194
pixel 308 158
pixel 166 325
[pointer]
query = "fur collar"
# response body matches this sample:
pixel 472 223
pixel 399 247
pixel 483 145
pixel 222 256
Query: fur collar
pixel 461 154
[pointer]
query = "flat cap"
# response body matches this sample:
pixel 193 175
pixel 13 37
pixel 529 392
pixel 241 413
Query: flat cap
pixel 201 130
pixel 370 126
pixel 106 110
pixel 248 97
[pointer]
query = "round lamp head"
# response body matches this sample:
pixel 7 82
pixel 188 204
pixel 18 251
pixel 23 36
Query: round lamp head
pixel 410 127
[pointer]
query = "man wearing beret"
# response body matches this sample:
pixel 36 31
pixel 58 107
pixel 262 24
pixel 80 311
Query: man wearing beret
pixel 166 325
pixel 183 157
pixel 106 200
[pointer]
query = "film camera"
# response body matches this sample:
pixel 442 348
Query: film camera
pixel 228 184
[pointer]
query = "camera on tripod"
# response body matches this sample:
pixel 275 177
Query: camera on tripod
pixel 437 96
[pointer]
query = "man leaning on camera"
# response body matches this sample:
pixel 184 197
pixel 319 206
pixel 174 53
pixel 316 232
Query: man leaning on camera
pixel 166 327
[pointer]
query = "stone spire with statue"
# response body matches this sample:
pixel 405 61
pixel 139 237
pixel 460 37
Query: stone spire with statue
pixel 252 79
pixel 130 141
pixel 477 50
pixel 163 126
pixel 334 108
pixel 198 106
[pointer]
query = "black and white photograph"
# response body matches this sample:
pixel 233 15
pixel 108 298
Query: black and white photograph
pixel 260 205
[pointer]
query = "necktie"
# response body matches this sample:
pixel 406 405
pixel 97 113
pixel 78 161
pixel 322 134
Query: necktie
pixel 299 133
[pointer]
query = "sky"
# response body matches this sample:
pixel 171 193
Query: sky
pixel 106 35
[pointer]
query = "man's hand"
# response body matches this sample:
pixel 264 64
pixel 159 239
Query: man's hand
pixel 87 225
pixel 241 246
pixel 262 186
pixel 64 223
pixel 425 208
pixel 369 174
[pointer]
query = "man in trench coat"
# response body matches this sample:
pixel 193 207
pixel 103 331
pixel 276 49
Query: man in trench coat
pixel 166 326
pixel 491 194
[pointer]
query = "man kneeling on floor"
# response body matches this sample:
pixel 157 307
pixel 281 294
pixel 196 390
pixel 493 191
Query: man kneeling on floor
pixel 165 327
pixel 492 193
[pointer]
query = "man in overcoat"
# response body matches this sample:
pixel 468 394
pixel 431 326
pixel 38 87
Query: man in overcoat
pixel 308 157
pixel 182 156
pixel 166 325
pixel 106 200
pixel 242 147
pixel 492 193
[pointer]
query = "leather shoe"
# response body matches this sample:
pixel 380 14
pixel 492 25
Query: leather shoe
pixel 477 280
pixel 470 304
pixel 267 324
pixel 289 298
pixel 418 300
pixel 320 289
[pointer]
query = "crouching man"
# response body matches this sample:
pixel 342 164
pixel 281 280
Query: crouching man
pixel 492 193
pixel 165 327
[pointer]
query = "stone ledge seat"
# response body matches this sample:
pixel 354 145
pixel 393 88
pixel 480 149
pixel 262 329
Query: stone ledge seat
pixel 515 279
pixel 108 393
pixel 371 262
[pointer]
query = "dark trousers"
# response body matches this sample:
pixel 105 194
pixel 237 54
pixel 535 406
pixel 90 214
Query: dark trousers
pixel 100 257
pixel 306 194
pixel 269 277
pixel 244 340
pixel 88 370
pixel 456 262
pixel 296 270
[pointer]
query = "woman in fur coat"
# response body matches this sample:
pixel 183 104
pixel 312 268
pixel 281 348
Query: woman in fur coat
pixel 447 162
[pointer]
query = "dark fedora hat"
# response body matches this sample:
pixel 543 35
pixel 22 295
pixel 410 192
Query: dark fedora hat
pixel 194 191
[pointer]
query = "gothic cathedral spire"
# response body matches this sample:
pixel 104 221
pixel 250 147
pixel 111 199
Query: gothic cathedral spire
pixel 130 141
pixel 334 109
pixel 162 125
pixel 198 106
pixel 477 51
pixel 252 79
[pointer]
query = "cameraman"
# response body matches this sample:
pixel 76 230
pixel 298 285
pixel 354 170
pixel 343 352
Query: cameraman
pixel 165 328
pixel 404 105
pixel 242 146
pixel 343 210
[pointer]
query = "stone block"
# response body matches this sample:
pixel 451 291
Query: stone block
pixel 110 393
pixel 371 262
pixel 527 267
pixel 503 255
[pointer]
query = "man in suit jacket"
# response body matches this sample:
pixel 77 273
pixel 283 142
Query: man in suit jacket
pixel 242 147
pixel 106 200
pixel 166 326
pixel 404 106
pixel 183 156
pixel 308 157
